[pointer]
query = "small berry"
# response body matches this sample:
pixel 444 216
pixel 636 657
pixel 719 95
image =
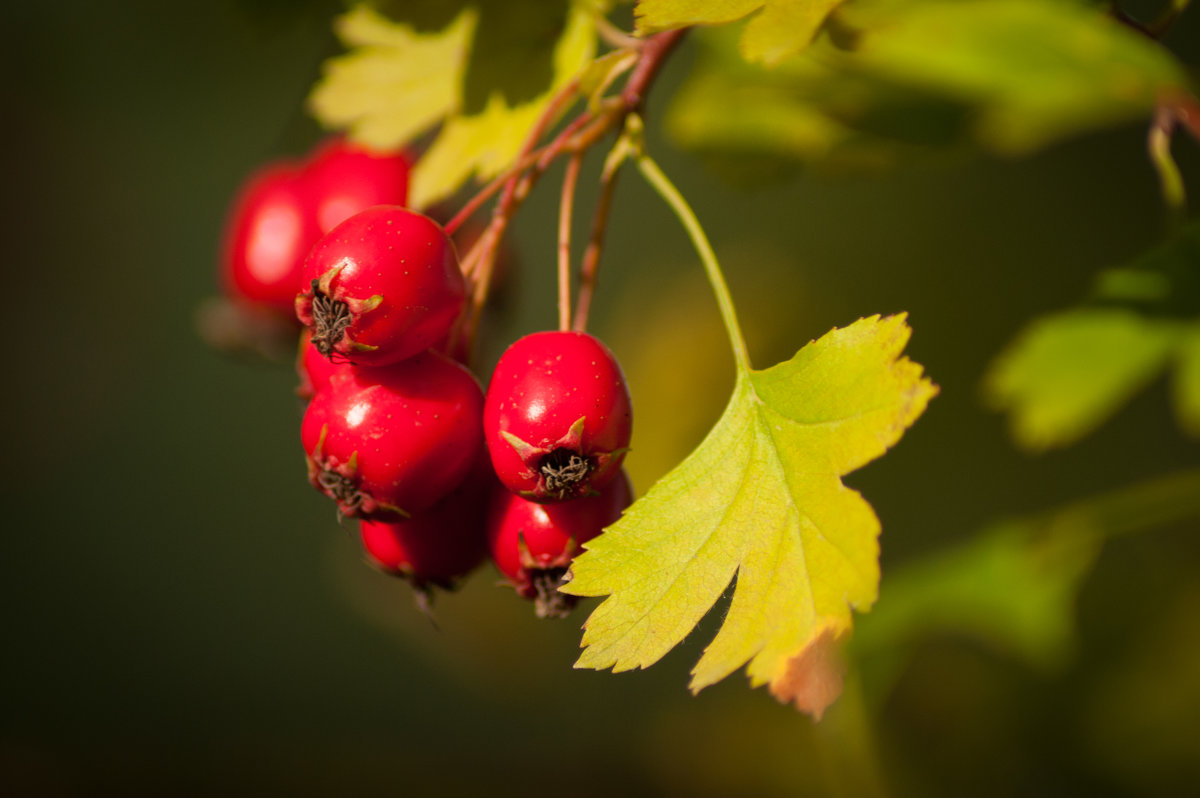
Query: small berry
pixel 381 287
pixel 269 231
pixel 346 179
pixel 286 206
pixel 533 544
pixel 557 419
pixel 387 443
pixel 440 546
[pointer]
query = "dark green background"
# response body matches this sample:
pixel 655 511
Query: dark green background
pixel 183 615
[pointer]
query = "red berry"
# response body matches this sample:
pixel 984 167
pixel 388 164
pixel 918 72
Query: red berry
pixel 439 546
pixel 285 207
pixel 386 443
pixel 557 418
pixel 381 287
pixel 346 179
pixel 533 544
pixel 269 231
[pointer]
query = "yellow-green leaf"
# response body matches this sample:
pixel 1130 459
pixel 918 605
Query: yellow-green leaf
pixel 761 499
pixel 395 83
pixel 1036 70
pixel 779 29
pixel 912 77
pixel 1069 372
pixel 486 143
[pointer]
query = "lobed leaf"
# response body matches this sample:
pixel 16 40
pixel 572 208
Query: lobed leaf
pixel 762 499
pixel 779 29
pixel 395 83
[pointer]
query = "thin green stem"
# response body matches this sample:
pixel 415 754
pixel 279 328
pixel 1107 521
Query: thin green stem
pixel 666 189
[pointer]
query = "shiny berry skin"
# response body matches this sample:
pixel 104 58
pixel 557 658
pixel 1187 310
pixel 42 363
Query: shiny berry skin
pixel 557 419
pixel 345 179
pixel 441 545
pixel 381 287
pixel 286 206
pixel 533 544
pixel 270 229
pixel 387 443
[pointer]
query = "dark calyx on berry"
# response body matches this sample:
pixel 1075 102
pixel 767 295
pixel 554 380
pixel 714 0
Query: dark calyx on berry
pixel 563 469
pixel 341 489
pixel 331 317
pixel 547 601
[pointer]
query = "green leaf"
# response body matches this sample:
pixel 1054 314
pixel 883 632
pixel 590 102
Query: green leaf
pixel 486 143
pixel 761 498
pixel 396 83
pixel 1070 371
pixel 899 78
pixel 1067 373
pixel 1013 586
pixel 781 28
pixel 1036 70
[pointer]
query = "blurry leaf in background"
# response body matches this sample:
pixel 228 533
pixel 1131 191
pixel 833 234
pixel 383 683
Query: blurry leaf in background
pixel 779 29
pixel 1139 719
pixel 1013 585
pixel 1008 76
pixel 1035 71
pixel 1162 282
pixel 487 142
pixel 761 498
pixel 1069 372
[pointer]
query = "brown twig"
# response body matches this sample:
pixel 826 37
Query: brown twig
pixel 590 263
pixel 579 135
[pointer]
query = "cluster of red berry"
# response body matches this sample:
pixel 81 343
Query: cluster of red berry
pixel 398 431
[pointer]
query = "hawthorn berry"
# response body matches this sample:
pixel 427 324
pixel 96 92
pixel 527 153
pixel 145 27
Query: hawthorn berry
pixel 271 227
pixel 387 443
pixel 532 544
pixel 438 547
pixel 345 179
pixel 380 287
pixel 286 206
pixel 557 418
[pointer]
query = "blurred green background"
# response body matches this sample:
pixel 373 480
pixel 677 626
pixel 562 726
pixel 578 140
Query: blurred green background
pixel 185 616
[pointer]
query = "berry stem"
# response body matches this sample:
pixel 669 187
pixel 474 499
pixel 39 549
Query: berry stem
pixel 566 208
pixel 590 264
pixel 528 157
pixel 577 137
pixel 716 279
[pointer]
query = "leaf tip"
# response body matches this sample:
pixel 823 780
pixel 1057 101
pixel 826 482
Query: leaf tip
pixel 812 678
